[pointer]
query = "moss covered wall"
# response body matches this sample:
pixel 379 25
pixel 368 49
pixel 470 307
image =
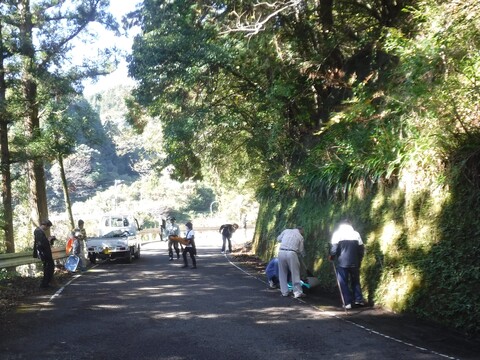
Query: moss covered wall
pixel 422 248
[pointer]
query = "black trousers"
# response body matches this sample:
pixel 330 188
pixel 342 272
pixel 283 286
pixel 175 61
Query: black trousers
pixel 225 239
pixel 48 270
pixel 191 251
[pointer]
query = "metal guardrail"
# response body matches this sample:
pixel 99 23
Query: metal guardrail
pixel 26 258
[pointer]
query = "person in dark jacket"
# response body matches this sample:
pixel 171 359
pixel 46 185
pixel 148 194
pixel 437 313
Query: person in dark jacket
pixel 227 231
pixel 272 274
pixel 42 250
pixel 347 250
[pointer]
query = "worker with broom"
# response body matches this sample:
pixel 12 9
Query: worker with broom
pixel 347 250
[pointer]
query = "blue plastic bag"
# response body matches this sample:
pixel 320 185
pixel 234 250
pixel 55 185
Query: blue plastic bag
pixel 72 263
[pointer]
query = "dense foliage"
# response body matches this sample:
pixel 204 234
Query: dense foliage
pixel 332 108
pixel 38 77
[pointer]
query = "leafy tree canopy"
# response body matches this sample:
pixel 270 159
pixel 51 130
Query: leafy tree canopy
pixel 245 94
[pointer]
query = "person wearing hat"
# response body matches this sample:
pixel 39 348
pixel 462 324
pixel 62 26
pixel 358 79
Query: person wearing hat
pixel 190 246
pixel 172 229
pixel 78 249
pixel 81 228
pixel 42 250
pixel 80 236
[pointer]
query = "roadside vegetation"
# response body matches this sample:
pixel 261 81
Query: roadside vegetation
pixel 315 110
pixel 332 109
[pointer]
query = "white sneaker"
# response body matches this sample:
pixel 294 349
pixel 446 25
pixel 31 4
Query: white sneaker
pixel 271 284
pixel 348 306
pixel 301 295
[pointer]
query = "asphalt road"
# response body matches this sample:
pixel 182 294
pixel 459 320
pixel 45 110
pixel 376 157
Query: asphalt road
pixel 154 309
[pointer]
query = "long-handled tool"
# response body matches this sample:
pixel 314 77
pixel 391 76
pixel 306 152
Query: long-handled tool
pixel 336 277
pixel 338 284
pixel 311 280
pixel 304 266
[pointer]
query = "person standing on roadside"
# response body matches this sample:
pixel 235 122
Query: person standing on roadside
pixel 81 228
pixel 227 231
pixel 163 229
pixel 78 249
pixel 190 246
pixel 42 250
pixel 347 250
pixel 172 229
pixel 80 235
pixel 291 247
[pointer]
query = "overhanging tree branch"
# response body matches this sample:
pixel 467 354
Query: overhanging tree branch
pixel 251 28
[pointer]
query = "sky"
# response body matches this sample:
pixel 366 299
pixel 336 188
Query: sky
pixel 118 8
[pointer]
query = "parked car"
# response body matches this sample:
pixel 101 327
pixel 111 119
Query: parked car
pixel 117 239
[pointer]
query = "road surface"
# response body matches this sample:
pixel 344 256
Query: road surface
pixel 154 309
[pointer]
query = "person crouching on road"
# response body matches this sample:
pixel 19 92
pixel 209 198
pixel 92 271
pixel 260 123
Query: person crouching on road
pixel 347 249
pixel 291 247
pixel 190 246
pixel 272 274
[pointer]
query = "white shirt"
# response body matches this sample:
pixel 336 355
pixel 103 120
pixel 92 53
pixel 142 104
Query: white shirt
pixel 291 239
pixel 172 229
pixel 189 234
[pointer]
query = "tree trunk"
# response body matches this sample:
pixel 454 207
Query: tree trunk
pixel 66 194
pixel 36 172
pixel 38 194
pixel 5 158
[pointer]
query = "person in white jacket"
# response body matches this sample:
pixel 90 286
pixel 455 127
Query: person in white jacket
pixel 347 250
pixel 291 247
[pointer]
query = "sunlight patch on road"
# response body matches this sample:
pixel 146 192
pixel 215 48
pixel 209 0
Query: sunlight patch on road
pixel 174 315
pixel 109 307
pixel 98 270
